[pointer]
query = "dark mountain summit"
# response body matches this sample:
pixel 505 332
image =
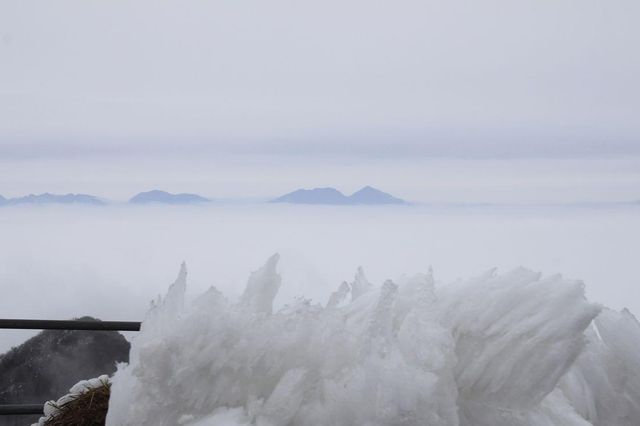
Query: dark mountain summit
pixel 48 198
pixel 162 197
pixel 47 365
pixel 367 195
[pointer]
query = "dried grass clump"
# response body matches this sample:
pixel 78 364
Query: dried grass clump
pixel 87 409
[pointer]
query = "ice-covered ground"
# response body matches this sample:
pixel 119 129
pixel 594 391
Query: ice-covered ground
pixel 501 349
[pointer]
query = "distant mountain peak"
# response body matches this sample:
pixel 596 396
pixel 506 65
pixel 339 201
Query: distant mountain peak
pixel 163 197
pixel 367 195
pixel 371 195
pixel 313 196
pixel 48 198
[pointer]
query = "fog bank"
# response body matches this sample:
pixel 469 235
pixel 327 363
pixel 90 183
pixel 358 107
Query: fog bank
pixel 62 262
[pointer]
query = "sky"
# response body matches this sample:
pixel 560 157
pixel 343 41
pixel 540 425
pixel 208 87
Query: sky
pixel 515 102
pixel 286 93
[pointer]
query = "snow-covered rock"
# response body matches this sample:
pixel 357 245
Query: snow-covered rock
pixel 83 386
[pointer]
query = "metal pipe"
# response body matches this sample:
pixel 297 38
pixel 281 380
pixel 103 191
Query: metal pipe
pixel 18 409
pixel 32 324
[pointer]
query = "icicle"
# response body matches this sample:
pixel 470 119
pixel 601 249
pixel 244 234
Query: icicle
pixel 360 284
pixel 262 287
pixel 339 296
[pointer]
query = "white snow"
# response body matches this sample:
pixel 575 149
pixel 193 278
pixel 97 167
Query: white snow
pixel 499 349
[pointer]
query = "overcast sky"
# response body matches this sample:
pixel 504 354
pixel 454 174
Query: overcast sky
pixel 362 78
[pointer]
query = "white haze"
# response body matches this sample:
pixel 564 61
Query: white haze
pixel 109 262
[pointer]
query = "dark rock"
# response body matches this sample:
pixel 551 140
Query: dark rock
pixel 47 365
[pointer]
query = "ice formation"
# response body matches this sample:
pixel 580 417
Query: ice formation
pixel 512 349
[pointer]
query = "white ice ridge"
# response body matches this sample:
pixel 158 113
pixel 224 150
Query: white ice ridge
pixel 497 350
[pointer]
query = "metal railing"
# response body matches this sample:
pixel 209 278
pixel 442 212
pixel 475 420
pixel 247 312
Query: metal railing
pixel 15 409
pixel 33 324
